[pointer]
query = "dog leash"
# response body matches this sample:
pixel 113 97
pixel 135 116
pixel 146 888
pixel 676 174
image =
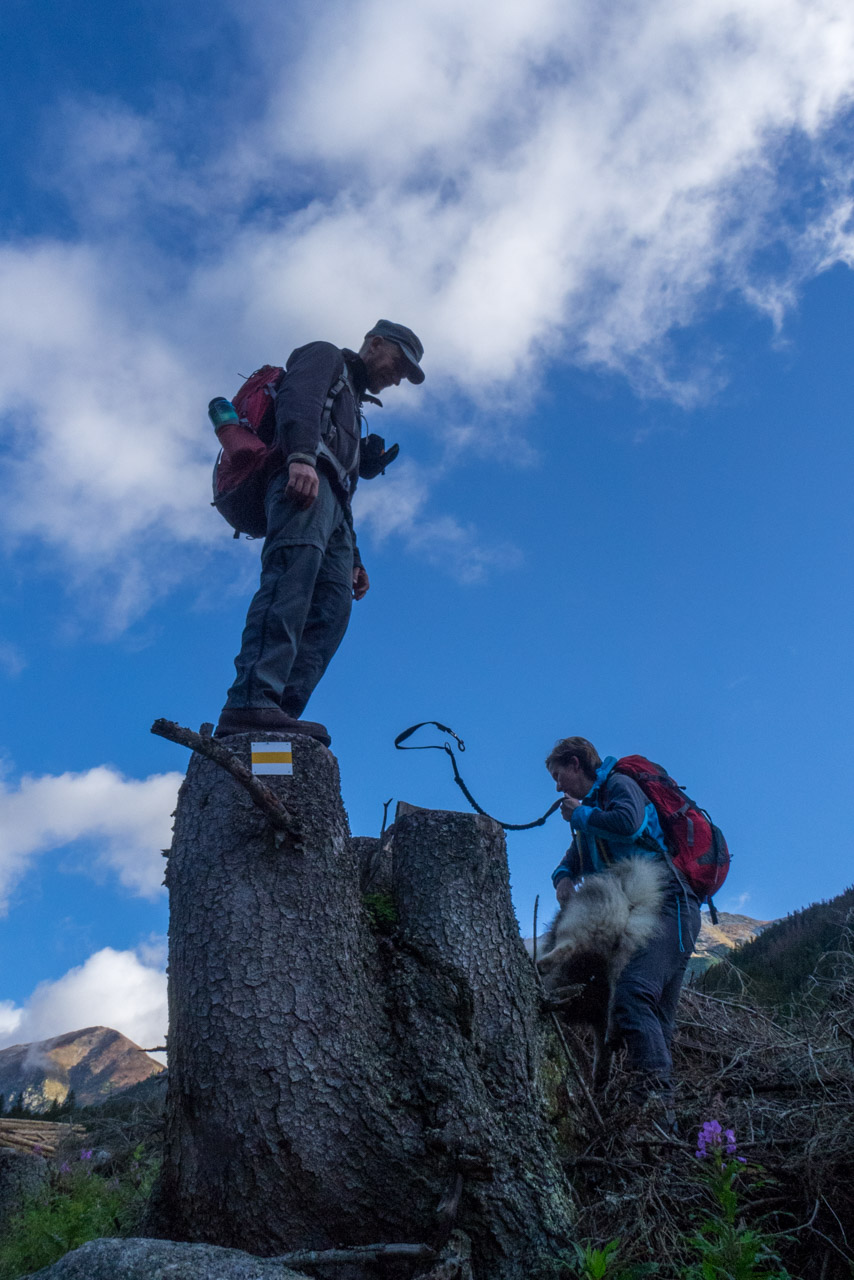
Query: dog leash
pixel 461 746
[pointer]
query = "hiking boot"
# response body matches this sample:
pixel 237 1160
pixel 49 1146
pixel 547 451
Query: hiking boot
pixel 311 729
pixel 267 720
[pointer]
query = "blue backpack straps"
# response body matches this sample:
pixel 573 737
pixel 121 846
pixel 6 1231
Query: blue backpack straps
pixel 647 840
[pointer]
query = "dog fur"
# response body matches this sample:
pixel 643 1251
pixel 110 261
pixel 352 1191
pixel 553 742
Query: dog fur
pixel 596 932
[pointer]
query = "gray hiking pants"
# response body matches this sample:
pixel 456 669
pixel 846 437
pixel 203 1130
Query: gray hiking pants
pixel 643 1011
pixel 300 611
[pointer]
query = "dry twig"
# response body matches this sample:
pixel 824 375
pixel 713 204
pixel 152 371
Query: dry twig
pixel 785 1085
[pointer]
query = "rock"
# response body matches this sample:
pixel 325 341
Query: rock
pixel 20 1177
pixel 161 1260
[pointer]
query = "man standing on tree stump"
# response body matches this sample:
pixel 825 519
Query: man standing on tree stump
pixel 310 566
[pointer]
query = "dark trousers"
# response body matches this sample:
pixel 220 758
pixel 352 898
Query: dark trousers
pixel 300 611
pixel 643 1010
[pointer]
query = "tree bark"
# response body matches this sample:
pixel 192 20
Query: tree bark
pixel 334 1079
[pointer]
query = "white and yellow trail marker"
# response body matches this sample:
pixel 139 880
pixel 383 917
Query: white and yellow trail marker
pixel 272 757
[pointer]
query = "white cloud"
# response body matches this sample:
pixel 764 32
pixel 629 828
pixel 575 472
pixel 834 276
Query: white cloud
pixel 103 408
pixel 10 1019
pixel 119 161
pixel 12 660
pixel 128 821
pixel 559 174
pixel 522 184
pixel 736 904
pixel 396 508
pixel 125 990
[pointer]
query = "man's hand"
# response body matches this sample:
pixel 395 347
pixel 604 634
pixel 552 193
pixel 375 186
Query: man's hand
pixel 563 889
pixel 568 805
pixel 302 485
pixel 361 581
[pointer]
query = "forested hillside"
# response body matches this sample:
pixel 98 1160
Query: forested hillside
pixel 780 962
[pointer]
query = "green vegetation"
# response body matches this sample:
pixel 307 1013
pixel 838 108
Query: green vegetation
pixel 727 1249
pixel 60 1110
pixel 382 910
pixel 19 1110
pixel 79 1203
pixel 722 1247
pixel 604 1264
pixel 780 961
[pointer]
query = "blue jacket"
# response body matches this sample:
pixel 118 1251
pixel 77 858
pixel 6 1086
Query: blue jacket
pixel 614 821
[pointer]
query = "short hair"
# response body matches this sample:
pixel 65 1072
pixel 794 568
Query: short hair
pixel 565 748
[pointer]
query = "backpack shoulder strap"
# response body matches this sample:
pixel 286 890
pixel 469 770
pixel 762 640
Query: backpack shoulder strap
pixel 337 387
pixel 323 451
pixel 342 380
pixel 599 790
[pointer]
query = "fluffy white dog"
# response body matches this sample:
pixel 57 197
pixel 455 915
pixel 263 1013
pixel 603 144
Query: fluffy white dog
pixel 591 940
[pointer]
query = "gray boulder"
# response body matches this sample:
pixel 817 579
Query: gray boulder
pixel 21 1175
pixel 161 1260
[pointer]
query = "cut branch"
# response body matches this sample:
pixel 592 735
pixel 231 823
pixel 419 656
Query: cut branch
pixel 274 811
pixel 357 1253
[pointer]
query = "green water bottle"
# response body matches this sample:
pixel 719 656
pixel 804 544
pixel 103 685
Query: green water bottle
pixel 222 413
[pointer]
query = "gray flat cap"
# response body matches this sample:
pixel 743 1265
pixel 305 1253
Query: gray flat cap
pixel 411 346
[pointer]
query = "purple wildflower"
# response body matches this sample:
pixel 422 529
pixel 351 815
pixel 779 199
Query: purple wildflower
pixel 709 1136
pixel 86 1155
pixel 713 1138
pixel 65 1167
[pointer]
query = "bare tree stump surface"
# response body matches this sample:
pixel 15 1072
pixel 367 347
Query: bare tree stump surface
pixel 331 1085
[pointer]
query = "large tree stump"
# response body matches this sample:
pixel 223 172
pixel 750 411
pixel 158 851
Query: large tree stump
pixel 331 1084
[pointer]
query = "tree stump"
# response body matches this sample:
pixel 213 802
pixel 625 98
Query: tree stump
pixel 335 1083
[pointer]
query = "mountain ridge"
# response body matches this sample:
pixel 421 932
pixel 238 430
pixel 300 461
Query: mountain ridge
pixel 96 1062
pixel 717 941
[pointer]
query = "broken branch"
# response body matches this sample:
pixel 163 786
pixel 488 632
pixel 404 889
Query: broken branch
pixel 357 1253
pixel 274 811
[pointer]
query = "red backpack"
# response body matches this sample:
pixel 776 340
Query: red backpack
pixel 697 847
pixel 249 454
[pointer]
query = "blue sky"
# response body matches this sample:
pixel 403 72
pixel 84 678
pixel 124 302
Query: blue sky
pixel 622 506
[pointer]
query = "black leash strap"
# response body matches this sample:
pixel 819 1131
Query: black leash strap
pixel 461 746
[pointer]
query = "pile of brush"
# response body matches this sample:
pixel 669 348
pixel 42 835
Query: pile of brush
pixel 780 1086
